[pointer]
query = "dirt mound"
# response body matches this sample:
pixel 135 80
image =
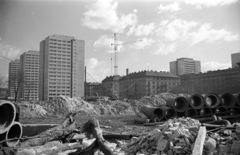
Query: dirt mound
pixel 113 108
pixel 63 105
pixel 28 110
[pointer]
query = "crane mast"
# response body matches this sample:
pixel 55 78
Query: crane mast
pixel 116 51
pixel 115 55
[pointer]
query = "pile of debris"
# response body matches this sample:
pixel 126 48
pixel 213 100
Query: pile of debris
pixel 113 108
pixel 30 110
pixel 185 136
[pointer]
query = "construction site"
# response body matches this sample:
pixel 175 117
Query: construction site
pixel 117 77
pixel 154 125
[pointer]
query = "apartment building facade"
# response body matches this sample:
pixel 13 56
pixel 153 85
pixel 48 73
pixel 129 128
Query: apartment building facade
pixel 93 88
pixel 138 84
pixel 61 69
pixel 110 86
pixel 235 57
pixel 185 66
pixel 13 77
pixel 29 67
pixel 220 81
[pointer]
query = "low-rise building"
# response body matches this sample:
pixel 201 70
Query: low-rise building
pixel 220 81
pixel 110 86
pixel 93 89
pixel 138 84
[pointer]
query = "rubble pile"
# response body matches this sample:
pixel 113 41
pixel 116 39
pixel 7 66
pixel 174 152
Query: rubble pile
pixel 29 110
pixel 113 108
pixel 174 136
pixel 178 135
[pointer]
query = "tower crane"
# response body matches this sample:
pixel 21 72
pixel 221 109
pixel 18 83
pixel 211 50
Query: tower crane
pixel 115 44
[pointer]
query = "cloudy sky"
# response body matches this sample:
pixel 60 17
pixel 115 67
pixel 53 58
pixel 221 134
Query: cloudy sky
pixel 153 32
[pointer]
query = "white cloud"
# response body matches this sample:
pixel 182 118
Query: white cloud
pixel 9 51
pixel 206 33
pixel 105 42
pixel 173 7
pixel 165 49
pixel 142 30
pixel 143 43
pixel 208 3
pixel 95 70
pixel 175 29
pixel 103 15
pixel 215 65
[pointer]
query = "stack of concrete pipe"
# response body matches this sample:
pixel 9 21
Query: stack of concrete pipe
pixel 196 105
pixel 10 128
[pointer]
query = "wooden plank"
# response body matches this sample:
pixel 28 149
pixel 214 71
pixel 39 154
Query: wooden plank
pixel 198 145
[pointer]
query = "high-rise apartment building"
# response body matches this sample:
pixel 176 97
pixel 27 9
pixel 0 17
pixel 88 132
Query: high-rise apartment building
pixel 29 67
pixel 13 77
pixel 185 66
pixel 61 69
pixel 235 59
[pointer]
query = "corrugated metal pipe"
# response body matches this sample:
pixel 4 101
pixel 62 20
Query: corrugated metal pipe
pixel 212 100
pixel 15 131
pixel 196 101
pixel 179 104
pixel 152 112
pixel 227 100
pixel 7 115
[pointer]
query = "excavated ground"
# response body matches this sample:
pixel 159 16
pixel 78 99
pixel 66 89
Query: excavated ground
pixel 118 124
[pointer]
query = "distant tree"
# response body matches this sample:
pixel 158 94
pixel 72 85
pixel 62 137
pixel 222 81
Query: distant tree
pixel 17 80
pixel 3 81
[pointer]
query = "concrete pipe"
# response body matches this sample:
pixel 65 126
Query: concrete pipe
pixel 168 112
pixel 190 112
pixel 7 115
pixel 212 100
pixel 151 112
pixel 179 104
pixel 221 109
pixel 35 129
pixel 237 98
pixel 15 131
pixel 196 101
pixel 227 100
pixel 234 110
pixel 205 111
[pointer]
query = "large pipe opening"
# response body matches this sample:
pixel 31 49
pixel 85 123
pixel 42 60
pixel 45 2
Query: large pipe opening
pixel 179 104
pixel 234 110
pixel 152 112
pixel 190 112
pixel 196 101
pixel 7 115
pixel 220 110
pixel 14 132
pixel 205 111
pixel 170 113
pixel 227 100
pixel 159 113
pixel 212 100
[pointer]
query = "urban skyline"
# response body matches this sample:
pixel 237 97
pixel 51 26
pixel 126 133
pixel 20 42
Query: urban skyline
pixel 208 32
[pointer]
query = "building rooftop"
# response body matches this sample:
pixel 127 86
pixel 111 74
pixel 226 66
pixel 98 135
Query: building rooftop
pixel 112 78
pixel 149 74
